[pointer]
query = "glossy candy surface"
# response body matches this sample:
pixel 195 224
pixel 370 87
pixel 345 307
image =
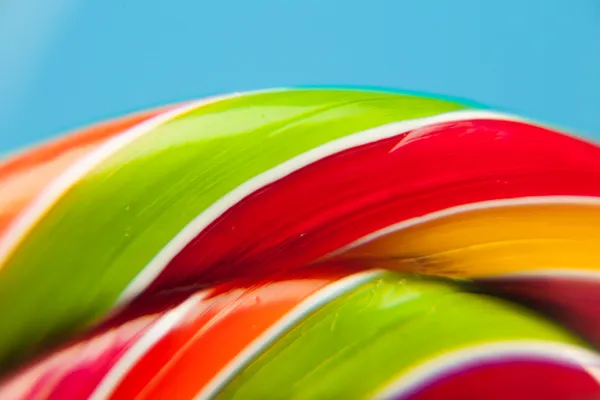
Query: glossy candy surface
pixel 307 244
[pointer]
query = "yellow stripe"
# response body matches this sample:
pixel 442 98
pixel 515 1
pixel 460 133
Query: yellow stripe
pixel 492 242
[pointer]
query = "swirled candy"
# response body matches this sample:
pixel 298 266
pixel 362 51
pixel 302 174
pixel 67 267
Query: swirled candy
pixel 303 243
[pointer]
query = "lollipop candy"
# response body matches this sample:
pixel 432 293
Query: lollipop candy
pixel 302 243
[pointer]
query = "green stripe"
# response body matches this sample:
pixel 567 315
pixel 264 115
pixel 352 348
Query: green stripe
pixel 100 235
pixel 362 341
pixel 384 89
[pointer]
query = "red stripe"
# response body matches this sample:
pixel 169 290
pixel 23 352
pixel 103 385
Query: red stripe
pixel 517 379
pixel 341 198
pixel 75 372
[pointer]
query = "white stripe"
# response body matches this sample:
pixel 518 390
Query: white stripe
pixel 311 303
pixel 133 355
pixel 464 208
pixel 444 365
pixel 579 274
pixel 65 181
pixel 218 208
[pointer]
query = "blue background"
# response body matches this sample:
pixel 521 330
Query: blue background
pixel 66 63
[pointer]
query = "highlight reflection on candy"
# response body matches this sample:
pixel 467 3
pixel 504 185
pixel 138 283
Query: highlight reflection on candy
pixel 302 243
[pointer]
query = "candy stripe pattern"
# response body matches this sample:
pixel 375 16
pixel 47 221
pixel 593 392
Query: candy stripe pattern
pixel 302 243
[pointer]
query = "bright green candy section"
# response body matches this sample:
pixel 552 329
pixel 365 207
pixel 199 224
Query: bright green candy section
pixel 76 262
pixel 363 340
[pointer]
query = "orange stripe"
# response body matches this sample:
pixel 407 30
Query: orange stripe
pixel 191 355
